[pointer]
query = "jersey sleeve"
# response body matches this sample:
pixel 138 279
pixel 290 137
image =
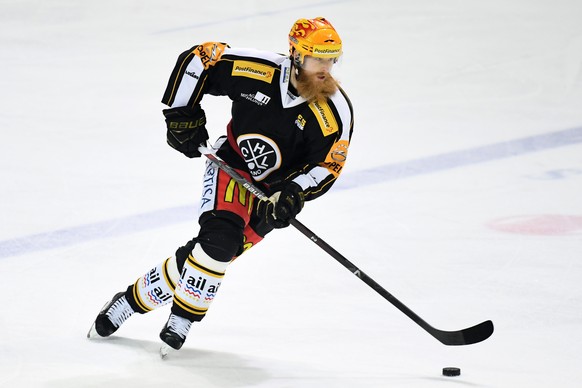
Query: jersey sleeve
pixel 329 142
pixel 196 73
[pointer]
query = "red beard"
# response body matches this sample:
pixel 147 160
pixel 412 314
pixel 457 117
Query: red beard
pixel 313 89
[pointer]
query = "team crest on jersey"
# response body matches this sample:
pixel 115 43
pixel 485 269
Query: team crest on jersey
pixel 261 154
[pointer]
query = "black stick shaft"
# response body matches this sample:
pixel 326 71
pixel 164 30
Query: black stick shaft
pixel 467 336
pixel 358 272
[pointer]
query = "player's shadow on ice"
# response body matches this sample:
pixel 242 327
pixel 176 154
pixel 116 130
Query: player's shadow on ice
pixel 221 368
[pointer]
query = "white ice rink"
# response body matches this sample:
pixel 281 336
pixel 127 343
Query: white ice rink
pixel 462 196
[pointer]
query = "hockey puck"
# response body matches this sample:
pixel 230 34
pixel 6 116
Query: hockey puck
pixel 450 371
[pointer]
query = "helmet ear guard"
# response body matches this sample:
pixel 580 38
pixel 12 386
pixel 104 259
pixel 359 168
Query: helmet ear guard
pixel 314 37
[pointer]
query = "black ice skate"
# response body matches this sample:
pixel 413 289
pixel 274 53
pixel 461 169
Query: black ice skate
pixel 175 331
pixel 111 317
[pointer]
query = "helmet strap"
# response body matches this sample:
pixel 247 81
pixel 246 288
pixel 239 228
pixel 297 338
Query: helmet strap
pixel 295 59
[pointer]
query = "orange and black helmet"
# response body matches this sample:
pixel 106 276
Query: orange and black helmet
pixel 314 37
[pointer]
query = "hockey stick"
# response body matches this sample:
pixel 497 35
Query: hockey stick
pixel 471 335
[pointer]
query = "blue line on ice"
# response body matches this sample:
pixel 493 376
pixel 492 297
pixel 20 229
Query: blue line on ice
pixel 374 175
pixel 450 160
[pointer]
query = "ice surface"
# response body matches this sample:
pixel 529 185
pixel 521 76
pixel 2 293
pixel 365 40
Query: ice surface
pixel 461 196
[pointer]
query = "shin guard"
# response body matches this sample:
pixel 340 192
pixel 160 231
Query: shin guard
pixel 155 288
pixel 198 284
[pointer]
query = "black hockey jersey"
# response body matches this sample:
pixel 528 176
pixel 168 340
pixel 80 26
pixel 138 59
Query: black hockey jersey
pixel 274 135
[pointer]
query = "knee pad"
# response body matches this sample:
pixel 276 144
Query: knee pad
pixel 183 252
pixel 221 238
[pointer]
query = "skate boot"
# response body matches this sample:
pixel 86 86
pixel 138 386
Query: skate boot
pixel 175 331
pixel 111 317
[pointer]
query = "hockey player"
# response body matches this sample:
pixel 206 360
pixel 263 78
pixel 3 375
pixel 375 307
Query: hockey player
pixel 289 134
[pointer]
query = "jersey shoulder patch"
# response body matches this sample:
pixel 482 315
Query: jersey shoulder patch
pixel 209 53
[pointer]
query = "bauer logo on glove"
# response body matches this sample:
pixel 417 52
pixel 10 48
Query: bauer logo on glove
pixel 186 129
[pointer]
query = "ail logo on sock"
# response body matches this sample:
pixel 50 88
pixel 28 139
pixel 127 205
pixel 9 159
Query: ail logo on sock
pixel 200 289
pixel 156 295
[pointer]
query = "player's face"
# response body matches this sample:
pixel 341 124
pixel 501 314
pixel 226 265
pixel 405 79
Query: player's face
pixel 314 81
pixel 319 67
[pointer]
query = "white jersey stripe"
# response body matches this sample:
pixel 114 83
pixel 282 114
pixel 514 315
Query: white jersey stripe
pixel 188 82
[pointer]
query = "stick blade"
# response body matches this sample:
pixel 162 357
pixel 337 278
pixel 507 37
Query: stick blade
pixel 468 336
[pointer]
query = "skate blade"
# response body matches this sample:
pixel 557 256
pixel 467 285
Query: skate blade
pixel 92 332
pixel 166 350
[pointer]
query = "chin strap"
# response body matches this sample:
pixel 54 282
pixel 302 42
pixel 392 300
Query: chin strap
pixel 295 64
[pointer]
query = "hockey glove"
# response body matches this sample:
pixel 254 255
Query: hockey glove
pixel 186 129
pixel 282 206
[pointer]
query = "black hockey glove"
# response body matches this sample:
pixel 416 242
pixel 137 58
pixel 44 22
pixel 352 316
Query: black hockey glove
pixel 186 129
pixel 282 207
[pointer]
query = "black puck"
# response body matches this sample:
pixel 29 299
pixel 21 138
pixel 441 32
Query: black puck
pixel 451 371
